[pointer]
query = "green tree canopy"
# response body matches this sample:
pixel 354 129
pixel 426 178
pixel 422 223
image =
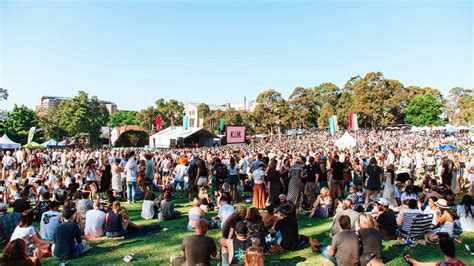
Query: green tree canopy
pixel 19 121
pixel 3 94
pixel 424 110
pixel 122 117
pixel 326 112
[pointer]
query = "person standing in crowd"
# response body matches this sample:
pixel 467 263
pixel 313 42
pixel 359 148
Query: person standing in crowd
pixel 117 171
pixel 275 183
pixel 131 169
pixel 337 181
pixel 294 186
pixel 389 187
pixel 106 178
pixel 447 171
pixel 91 175
pixel 258 176
pixel 374 177
pixel 233 169
pixel 310 186
pixel 149 172
pixel 180 171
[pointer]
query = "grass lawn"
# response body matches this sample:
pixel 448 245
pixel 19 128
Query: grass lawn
pixel 156 249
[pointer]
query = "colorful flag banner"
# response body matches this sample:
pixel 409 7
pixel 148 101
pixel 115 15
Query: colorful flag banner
pixel 221 125
pixel 336 125
pixel 355 123
pixel 158 123
pixel 185 122
pixel 332 127
pixel 31 134
pixel 351 121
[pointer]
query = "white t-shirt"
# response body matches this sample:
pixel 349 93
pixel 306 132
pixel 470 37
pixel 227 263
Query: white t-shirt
pixel 95 220
pixel 148 209
pixel 49 221
pixel 225 211
pixel 180 171
pixel 257 176
pixel 24 233
pixel 243 164
pixel 166 165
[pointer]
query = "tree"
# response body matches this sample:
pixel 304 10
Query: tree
pixel 3 94
pixel 203 111
pixel 122 118
pixel 343 107
pixel 171 112
pixel 147 119
pixel 303 107
pixel 19 121
pixel 82 115
pixel 327 92
pixel 132 138
pixel 460 106
pixel 424 110
pixel 326 112
pixel 271 110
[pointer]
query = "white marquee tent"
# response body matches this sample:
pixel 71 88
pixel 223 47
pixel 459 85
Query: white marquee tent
pixel 177 136
pixel 7 143
pixel 346 141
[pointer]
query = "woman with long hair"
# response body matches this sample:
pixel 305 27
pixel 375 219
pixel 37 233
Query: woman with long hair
pixel 117 171
pixel 294 186
pixel 389 189
pixel 322 205
pixel 15 254
pixel 254 256
pixel 275 183
pixel 26 231
pixel 233 180
pixel 466 214
pixel 374 177
pixel 90 172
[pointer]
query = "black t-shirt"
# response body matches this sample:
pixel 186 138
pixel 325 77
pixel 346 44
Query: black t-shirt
pixel 322 176
pixel 311 172
pixel 448 169
pixel 388 224
pixel 288 228
pixel 337 170
pixel 64 236
pixel 239 248
pixel 21 205
pixel 198 249
pixel 230 223
pixel 371 241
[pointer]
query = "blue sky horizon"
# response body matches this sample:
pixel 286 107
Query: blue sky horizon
pixel 134 52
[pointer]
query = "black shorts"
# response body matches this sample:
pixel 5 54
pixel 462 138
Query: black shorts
pixel 243 176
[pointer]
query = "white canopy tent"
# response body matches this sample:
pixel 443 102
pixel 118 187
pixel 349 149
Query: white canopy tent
pixel 7 143
pixel 346 141
pixel 178 136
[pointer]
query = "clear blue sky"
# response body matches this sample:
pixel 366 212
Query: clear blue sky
pixel 134 52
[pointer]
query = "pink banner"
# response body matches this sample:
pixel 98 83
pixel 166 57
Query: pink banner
pixel 235 134
pixel 158 123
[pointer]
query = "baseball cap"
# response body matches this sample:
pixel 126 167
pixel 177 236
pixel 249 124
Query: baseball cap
pixel 383 202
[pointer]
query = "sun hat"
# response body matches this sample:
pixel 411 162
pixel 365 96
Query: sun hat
pixel 442 203
pixel 431 238
pixel 383 202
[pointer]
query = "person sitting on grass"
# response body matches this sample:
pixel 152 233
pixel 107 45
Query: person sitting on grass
pixel 269 218
pixel 344 249
pixel 68 243
pixel 286 228
pixel 15 254
pixel 95 220
pixel 233 250
pixel 149 206
pixel 113 222
pixel 196 249
pixel 225 211
pixel 346 209
pixel 26 231
pixel 49 221
pixel 167 208
pixel 370 240
pixel 195 214
pixel 254 256
pixel 8 224
pixel 446 244
pixel 386 220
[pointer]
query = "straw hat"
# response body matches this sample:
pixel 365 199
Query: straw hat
pixel 442 203
pixel 431 238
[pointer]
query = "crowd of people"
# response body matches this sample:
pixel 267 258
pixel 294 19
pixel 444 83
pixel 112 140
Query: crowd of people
pixel 373 192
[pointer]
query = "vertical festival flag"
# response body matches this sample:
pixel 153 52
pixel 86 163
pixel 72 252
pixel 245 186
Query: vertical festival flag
pixel 185 122
pixel 31 134
pixel 355 124
pixel 158 123
pixel 332 127
pixel 221 125
pixel 336 125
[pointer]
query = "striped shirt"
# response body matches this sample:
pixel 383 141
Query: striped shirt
pixel 408 215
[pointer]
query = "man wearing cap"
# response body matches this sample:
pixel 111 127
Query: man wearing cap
pixel 233 250
pixel 386 220
pixel 7 224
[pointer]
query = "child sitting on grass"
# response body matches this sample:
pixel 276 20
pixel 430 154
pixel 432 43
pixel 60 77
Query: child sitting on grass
pixel 167 208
